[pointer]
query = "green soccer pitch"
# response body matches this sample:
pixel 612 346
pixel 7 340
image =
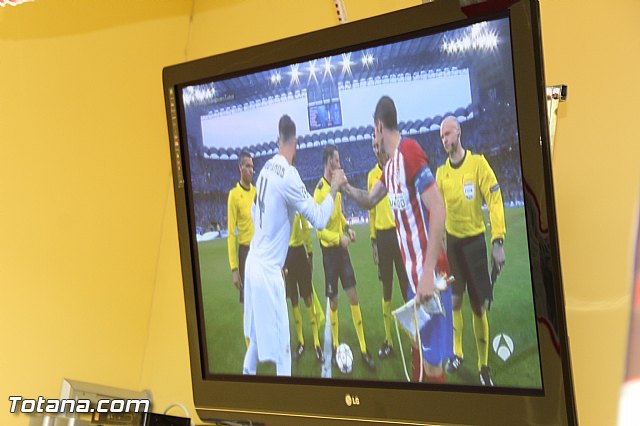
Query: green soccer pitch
pixel 511 313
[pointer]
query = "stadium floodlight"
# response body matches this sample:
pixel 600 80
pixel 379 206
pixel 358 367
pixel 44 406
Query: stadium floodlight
pixel 327 69
pixel 367 60
pixel 276 78
pixel 295 74
pixel 479 38
pixel 346 64
pixel 312 71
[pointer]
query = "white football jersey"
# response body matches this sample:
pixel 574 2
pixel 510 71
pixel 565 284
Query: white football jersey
pixel 280 193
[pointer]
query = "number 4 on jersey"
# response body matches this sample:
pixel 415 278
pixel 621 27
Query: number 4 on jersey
pixel 262 189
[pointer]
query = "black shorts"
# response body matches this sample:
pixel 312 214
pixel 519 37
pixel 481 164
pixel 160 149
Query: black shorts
pixel 388 255
pixel 469 265
pixel 298 274
pixel 243 251
pixel 337 264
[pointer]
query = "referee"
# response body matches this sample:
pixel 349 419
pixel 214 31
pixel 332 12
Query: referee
pixel 465 181
pixel 298 268
pixel 334 242
pixel 239 223
pixel 386 251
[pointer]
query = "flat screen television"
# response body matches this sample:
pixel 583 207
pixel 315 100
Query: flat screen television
pixel 434 61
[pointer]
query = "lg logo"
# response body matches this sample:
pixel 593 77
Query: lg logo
pixel 351 400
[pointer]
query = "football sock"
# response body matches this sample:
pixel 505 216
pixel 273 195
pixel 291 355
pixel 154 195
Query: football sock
pixel 250 363
pixel 318 309
pixel 283 365
pixel 387 319
pixel 356 315
pixel 311 312
pixel 481 330
pixel 246 339
pixel 334 327
pixel 457 332
pixel 297 316
pixel 415 364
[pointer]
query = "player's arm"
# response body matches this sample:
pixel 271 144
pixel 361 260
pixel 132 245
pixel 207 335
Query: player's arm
pixel 296 194
pixel 372 220
pixel 439 184
pixel 232 239
pixel 366 200
pixel 432 200
pixel 306 237
pixel 372 224
pixel 349 231
pixel 372 232
pixel 493 197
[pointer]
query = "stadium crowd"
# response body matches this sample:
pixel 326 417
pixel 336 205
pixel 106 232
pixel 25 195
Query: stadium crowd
pixel 213 178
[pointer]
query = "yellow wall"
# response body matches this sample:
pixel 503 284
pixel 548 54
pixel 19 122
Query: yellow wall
pixel 597 176
pixel 85 177
pixel 89 267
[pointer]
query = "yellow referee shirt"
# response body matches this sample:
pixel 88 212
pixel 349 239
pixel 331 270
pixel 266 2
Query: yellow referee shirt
pixel 330 235
pixel 300 233
pixel 380 217
pixel 239 217
pixel 464 188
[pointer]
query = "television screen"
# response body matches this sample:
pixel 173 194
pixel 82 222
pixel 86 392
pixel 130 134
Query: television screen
pixel 325 114
pixel 337 334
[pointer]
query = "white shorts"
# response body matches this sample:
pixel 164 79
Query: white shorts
pixel 266 319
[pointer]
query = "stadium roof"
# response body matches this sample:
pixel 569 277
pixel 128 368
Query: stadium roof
pixel 429 55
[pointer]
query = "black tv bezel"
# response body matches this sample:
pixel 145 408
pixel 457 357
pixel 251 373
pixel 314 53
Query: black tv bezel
pixel 319 401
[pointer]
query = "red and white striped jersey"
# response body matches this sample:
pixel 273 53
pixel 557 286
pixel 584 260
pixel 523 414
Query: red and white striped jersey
pixel 406 176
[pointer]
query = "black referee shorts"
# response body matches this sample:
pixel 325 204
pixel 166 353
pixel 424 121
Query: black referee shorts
pixel 337 264
pixel 469 265
pixel 388 255
pixel 298 274
pixel 243 251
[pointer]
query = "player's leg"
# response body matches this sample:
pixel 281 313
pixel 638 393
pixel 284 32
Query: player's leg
pixel 313 322
pixel 269 315
pixel 297 320
pixel 283 365
pixel 291 267
pixel 276 292
pixel 331 274
pixel 250 362
pixel 481 331
pixel 403 283
pixel 480 294
pixel 243 252
pixel 305 288
pixel 348 279
pixel 417 367
pixel 385 241
pixel 318 308
pixel 455 256
pixel 436 341
pixel 401 271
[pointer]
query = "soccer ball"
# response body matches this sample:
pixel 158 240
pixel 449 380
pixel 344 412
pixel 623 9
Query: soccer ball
pixel 344 358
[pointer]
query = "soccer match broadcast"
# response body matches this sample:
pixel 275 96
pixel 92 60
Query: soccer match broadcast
pixel 361 216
